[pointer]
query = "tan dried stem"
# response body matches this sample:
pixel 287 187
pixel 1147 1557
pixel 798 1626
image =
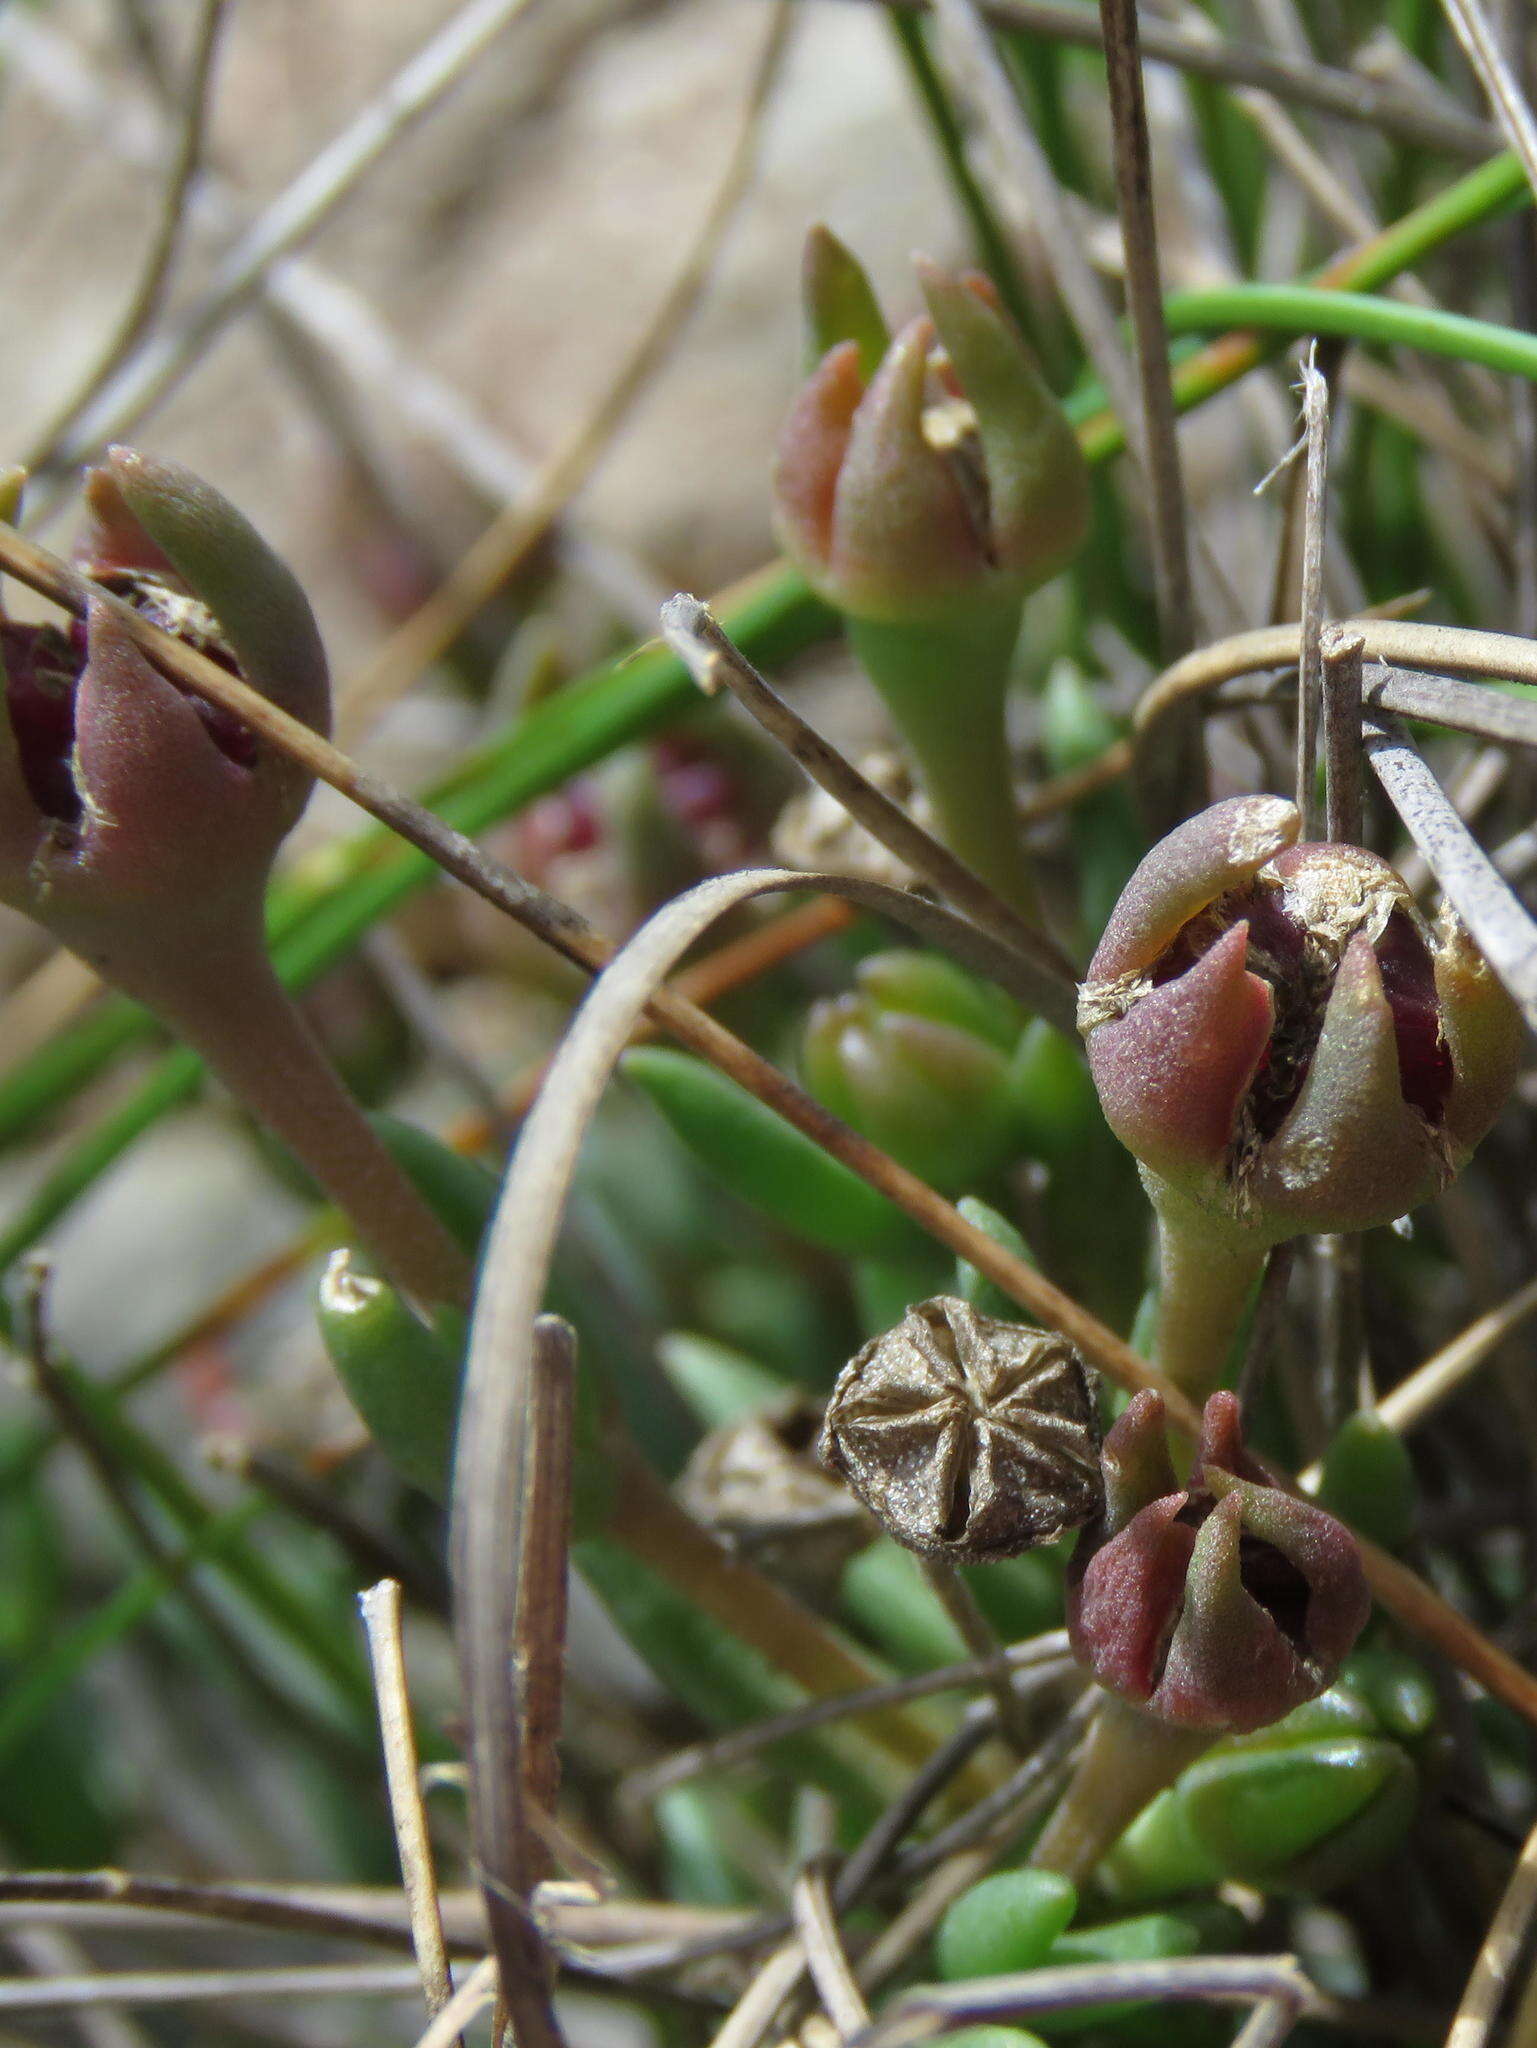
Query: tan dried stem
pixel 381 1620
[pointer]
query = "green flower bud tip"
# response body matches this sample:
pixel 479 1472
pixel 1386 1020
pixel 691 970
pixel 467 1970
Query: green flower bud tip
pixel 934 1093
pixel 946 475
pixel 1279 1035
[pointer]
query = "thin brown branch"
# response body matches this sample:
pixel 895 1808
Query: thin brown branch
pixel 372 1552
pixel 816 1922
pixel 492 1586
pixel 1029 1664
pixel 1144 299
pixel 714 662
pixel 1507 1942
pixel 381 1619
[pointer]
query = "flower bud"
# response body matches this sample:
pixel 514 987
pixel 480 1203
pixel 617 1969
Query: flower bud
pixel 966 1437
pixel 918 1060
pixel 948 475
pixel 1281 1037
pixel 130 807
pixel 1222 1604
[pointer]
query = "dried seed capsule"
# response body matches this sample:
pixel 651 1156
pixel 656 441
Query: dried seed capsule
pixel 967 1437
pixel 755 1484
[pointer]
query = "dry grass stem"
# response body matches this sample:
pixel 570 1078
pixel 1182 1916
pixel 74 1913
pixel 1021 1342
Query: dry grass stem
pixel 1340 679
pixel 501 1509
pixel 1477 35
pixel 207 1987
pixel 715 663
pixel 1158 428
pixel 1315 415
pixel 381 1619
pixel 1460 650
pixel 1028 1665
pixel 816 1922
pixel 921 2015
pixel 980 1637
pixel 1506 1947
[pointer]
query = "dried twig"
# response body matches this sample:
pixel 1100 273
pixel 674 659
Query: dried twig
pixel 715 662
pixel 500 1509
pixel 816 1922
pixel 921 2015
pixel 1144 298
pixel 1341 680
pixel 1477 36
pixel 1315 413
pixel 1508 1939
pixel 1028 1664
pixel 381 1619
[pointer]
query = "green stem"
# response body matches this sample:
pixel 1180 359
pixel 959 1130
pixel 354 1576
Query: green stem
pixel 946 686
pixel 1494 188
pixel 1292 309
pixel 1128 1759
pixel 1207 1269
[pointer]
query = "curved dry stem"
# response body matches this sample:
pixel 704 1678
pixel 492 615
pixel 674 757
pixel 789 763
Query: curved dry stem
pixel 1459 650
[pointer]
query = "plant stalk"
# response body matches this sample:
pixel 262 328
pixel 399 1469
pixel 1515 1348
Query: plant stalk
pixel 1207 1270
pixel 1127 1760
pixel 947 687
pixel 221 994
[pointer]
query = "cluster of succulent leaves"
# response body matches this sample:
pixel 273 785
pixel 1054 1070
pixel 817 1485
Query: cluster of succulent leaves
pixel 697 1311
